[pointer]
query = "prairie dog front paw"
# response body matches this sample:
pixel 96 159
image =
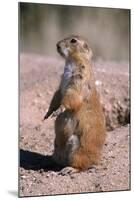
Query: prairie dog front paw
pixel 58 111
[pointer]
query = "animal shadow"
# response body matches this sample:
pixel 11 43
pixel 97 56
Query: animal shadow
pixel 36 161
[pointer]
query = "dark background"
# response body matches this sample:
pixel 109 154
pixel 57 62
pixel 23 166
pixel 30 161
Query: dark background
pixel 107 29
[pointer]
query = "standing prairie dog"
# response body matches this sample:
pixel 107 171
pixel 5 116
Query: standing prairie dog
pixel 80 124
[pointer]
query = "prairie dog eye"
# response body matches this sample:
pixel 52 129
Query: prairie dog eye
pixel 73 41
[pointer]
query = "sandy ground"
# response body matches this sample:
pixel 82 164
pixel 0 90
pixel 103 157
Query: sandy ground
pixel 39 78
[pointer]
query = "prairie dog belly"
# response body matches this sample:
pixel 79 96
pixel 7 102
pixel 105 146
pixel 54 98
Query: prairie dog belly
pixel 67 75
pixel 66 142
pixel 64 156
pixel 72 145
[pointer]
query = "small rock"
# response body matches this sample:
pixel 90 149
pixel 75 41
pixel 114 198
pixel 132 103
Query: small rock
pixel 47 175
pixel 93 169
pixel 23 176
pixel 98 83
pixel 106 91
pixel 104 168
pixel 37 128
pixel 39 95
pixel 97 185
pixel 41 171
pixel 53 173
pixel 112 156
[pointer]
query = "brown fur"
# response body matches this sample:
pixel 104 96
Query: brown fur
pixel 80 129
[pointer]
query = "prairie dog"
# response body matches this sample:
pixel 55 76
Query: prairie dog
pixel 80 124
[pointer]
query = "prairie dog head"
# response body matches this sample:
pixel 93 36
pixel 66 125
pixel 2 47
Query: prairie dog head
pixel 74 45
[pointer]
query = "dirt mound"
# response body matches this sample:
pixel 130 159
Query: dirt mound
pixel 113 85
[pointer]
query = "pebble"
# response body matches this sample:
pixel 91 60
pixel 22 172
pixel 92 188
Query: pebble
pixel 97 185
pixel 23 176
pixel 37 128
pixel 98 83
pixel 41 171
pixel 106 91
pixel 47 175
pixel 104 168
pixel 53 173
pixel 39 95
